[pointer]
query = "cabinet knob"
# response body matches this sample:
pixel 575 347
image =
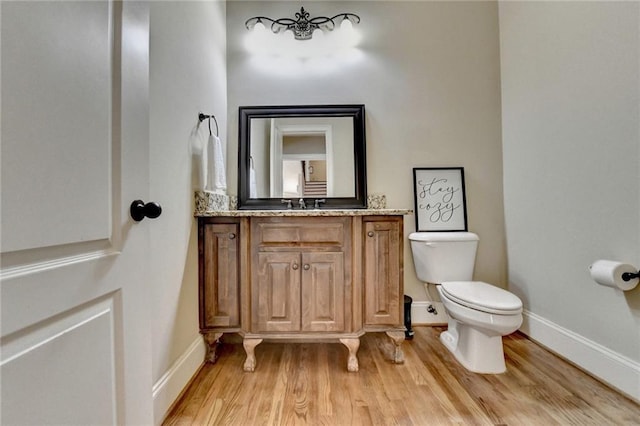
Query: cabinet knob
pixel 232 236
pixel 306 267
pixel 370 233
pixel 295 267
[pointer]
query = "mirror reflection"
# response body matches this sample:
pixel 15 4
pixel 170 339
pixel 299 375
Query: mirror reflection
pixel 302 157
pixel 302 152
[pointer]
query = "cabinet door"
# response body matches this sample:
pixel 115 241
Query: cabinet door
pixel 219 288
pixel 322 292
pixel 382 272
pixel 278 291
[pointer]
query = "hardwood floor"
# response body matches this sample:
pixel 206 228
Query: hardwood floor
pixel 307 383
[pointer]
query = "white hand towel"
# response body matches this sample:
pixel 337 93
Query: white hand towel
pixel 217 176
pixel 253 190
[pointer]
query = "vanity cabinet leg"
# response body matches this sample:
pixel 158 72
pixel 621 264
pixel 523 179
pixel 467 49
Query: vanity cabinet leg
pixel 212 339
pixel 397 337
pixel 249 348
pixel 352 361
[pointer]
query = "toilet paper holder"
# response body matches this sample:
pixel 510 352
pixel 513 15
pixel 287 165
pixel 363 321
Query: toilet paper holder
pixel 610 273
pixel 628 276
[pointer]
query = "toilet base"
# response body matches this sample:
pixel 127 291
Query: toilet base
pixel 475 350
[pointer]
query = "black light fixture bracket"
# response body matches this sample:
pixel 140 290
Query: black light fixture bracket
pixel 303 26
pixel 628 276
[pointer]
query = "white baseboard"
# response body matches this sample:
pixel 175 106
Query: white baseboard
pixel 420 314
pixel 168 387
pixel 612 368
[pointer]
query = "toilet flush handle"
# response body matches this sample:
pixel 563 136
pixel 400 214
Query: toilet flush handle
pixel 430 244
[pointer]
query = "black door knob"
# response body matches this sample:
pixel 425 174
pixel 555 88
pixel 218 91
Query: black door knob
pixel 139 210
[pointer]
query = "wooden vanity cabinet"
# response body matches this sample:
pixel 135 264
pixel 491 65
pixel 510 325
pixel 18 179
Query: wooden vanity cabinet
pixel 311 278
pixel 382 266
pixel 301 282
pixel 299 291
pixel 219 278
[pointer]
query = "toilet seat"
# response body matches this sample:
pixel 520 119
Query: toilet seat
pixel 483 297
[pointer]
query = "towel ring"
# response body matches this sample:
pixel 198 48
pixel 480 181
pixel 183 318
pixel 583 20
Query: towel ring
pixel 203 117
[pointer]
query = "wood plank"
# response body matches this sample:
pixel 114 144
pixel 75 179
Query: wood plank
pixel 306 383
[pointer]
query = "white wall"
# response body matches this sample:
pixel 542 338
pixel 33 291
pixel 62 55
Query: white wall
pixel 571 137
pixel 428 74
pixel 188 75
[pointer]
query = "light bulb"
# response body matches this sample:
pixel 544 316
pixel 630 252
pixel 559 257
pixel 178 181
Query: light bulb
pixel 346 25
pixel 259 27
pixel 348 35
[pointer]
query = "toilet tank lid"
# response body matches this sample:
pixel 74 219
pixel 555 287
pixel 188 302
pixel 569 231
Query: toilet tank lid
pixel 443 236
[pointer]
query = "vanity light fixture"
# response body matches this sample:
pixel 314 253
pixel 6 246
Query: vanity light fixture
pixel 303 27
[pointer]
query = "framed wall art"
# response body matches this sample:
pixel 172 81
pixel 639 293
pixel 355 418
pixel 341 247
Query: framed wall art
pixel 439 199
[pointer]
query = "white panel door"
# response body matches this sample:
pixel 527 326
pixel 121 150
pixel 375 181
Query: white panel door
pixel 75 341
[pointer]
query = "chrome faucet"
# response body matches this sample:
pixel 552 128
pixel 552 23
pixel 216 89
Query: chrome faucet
pixel 288 203
pixel 302 204
pixel 316 203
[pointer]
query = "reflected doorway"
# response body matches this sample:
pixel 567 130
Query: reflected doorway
pixel 304 178
pixel 301 161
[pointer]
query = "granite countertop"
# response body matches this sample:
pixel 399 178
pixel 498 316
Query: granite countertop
pixel 309 212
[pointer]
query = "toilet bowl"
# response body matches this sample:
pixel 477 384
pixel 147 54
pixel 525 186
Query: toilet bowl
pixel 479 313
pixel 475 330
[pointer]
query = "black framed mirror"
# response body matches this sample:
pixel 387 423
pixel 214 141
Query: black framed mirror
pixel 313 152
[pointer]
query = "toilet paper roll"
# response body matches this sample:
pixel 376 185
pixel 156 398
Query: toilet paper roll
pixel 609 273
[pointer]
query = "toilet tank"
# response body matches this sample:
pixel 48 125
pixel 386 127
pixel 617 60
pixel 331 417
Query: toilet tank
pixel 444 256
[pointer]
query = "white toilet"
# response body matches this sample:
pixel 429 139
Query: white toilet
pixel 479 313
